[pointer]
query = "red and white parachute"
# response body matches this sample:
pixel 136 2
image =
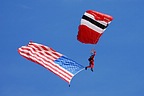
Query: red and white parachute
pixel 92 26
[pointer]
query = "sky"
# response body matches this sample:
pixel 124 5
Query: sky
pixel 119 63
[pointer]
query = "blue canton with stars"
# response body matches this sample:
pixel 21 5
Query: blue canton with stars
pixel 68 64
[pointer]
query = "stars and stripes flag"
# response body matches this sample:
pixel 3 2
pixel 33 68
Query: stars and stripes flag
pixel 54 61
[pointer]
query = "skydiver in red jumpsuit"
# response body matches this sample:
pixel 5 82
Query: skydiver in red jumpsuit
pixel 91 61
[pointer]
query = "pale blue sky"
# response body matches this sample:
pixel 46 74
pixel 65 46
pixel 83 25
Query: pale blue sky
pixel 119 63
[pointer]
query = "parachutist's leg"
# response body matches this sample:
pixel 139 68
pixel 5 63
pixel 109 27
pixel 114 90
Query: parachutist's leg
pixel 85 68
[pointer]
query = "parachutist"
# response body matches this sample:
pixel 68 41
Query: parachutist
pixel 91 61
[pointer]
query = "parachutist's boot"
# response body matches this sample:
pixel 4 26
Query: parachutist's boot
pixel 92 69
pixel 85 68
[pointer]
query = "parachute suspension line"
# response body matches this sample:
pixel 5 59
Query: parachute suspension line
pixel 93 49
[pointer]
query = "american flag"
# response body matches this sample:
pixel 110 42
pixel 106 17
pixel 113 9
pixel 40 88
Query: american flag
pixel 54 61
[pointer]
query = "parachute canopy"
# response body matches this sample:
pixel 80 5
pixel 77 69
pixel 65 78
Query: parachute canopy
pixel 92 26
pixel 54 61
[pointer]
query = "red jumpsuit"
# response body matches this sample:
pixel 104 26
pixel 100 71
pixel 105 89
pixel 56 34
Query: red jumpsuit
pixel 91 61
